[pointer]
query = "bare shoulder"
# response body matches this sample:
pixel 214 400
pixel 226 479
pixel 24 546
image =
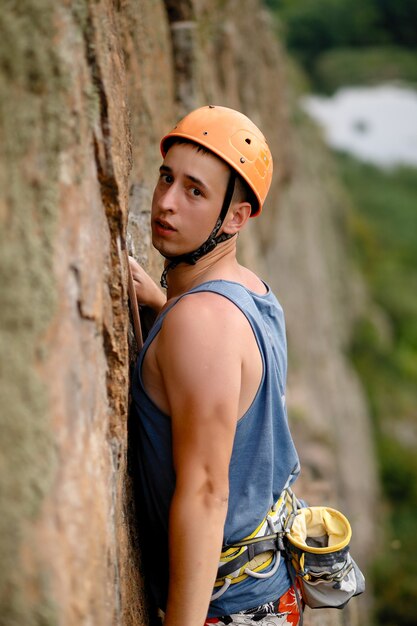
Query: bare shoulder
pixel 204 313
pixel 206 349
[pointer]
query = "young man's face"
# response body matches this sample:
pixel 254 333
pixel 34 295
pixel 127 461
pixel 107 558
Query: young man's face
pixel 187 199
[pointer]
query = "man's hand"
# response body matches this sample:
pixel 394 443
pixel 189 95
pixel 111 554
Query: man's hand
pixel 147 292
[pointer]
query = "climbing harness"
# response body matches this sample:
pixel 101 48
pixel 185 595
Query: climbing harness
pixel 315 543
pixel 256 552
pixel 231 136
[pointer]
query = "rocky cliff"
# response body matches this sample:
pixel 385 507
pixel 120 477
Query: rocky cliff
pixel 86 90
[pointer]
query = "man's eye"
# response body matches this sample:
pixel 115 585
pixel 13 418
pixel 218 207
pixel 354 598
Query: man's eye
pixel 195 192
pixel 167 178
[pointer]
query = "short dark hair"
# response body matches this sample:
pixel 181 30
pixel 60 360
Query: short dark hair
pixel 243 193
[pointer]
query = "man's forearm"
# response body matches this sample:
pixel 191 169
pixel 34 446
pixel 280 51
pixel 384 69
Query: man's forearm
pixel 196 535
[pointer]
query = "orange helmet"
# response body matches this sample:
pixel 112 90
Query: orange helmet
pixel 235 139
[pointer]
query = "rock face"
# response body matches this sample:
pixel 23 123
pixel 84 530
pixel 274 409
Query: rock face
pixel 86 91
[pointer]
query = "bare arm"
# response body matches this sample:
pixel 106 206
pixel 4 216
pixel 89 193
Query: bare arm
pixel 201 365
pixel 147 291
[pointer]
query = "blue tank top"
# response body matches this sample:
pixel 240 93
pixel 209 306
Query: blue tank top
pixel 263 462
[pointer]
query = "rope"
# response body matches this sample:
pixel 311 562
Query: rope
pixel 134 308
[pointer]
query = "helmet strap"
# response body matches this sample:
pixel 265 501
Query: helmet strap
pixel 212 240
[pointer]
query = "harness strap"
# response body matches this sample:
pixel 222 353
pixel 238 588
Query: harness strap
pixel 255 548
pixel 254 553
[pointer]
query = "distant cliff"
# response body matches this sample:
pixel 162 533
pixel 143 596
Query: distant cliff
pixel 86 90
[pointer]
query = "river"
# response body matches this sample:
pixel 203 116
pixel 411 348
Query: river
pixel 375 124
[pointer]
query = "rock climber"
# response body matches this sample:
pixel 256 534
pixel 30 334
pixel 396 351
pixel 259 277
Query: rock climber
pixel 214 448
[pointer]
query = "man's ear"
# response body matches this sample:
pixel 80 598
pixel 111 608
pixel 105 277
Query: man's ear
pixel 237 217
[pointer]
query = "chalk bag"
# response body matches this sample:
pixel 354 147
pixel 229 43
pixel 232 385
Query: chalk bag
pixel 318 547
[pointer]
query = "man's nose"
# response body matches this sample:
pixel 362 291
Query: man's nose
pixel 169 198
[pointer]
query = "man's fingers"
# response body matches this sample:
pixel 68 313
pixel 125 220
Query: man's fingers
pixel 136 269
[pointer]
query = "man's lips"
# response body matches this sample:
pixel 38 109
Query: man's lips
pixel 162 228
pixel 163 224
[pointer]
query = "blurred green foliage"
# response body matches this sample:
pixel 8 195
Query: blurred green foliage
pixel 315 27
pixel 341 67
pixel 383 228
